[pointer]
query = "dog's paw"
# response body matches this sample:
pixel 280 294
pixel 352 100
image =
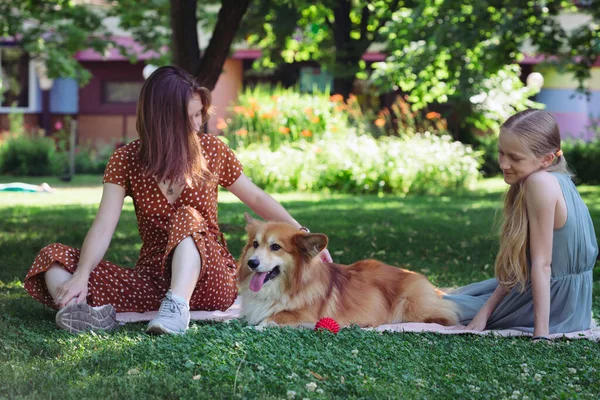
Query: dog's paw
pixel 266 324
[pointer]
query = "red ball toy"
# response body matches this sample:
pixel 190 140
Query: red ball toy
pixel 329 324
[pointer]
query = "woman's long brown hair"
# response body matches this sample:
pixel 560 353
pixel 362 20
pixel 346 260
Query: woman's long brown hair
pixel 169 147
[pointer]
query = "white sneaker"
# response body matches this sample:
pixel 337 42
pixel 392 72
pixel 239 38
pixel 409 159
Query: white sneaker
pixel 82 317
pixel 173 317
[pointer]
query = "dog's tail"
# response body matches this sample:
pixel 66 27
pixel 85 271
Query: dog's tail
pixel 424 303
pixel 443 312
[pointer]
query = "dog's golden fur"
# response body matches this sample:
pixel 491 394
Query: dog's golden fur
pixel 366 293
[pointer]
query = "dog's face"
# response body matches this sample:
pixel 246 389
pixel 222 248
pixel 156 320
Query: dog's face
pixel 274 254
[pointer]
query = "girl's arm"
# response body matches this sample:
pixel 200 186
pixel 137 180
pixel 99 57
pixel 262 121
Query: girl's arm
pixel 542 192
pixel 94 246
pixel 480 321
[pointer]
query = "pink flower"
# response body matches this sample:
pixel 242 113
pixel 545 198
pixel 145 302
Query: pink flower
pixel 58 125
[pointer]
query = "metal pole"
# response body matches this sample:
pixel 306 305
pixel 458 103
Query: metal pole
pixel 72 139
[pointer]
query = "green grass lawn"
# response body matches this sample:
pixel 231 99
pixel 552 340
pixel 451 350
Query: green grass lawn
pixel 448 238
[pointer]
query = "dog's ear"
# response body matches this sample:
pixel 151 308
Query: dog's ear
pixel 311 244
pixel 251 223
pixel 248 218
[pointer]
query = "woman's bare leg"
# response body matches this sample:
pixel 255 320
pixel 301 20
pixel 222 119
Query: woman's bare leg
pixel 55 276
pixel 80 317
pixel 174 313
pixel 185 269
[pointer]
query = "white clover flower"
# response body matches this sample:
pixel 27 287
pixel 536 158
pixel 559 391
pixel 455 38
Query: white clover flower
pixel 291 394
pixel 311 386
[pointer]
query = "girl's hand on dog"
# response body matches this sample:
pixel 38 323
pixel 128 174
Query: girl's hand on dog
pixel 326 257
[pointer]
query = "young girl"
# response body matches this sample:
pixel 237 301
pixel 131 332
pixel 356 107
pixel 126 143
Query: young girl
pixel 172 173
pixel 548 247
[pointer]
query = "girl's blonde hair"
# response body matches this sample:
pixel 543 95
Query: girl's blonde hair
pixel 539 134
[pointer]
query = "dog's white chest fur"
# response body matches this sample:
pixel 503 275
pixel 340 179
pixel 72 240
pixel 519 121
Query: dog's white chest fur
pixel 258 306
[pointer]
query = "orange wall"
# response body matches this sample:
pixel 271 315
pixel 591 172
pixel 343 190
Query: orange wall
pixel 100 130
pixel 226 92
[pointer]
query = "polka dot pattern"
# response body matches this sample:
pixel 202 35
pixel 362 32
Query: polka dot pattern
pixel 162 226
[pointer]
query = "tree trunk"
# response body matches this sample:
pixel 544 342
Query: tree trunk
pixel 210 66
pixel 343 85
pixel 343 71
pixel 184 25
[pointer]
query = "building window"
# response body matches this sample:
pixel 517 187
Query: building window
pixel 121 92
pixel 17 80
pixel 315 79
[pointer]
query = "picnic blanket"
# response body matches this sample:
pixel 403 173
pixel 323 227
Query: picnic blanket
pixel 234 313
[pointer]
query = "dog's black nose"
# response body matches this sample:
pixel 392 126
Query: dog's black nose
pixel 253 263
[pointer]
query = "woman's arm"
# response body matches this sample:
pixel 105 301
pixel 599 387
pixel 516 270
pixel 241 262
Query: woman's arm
pixel 94 246
pixel 480 321
pixel 542 192
pixel 100 234
pixel 260 202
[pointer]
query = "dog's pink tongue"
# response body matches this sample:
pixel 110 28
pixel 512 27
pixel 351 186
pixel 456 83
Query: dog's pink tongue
pixel 257 281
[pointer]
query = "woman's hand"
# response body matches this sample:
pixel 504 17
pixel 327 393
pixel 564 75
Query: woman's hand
pixel 478 323
pixel 76 288
pixel 326 257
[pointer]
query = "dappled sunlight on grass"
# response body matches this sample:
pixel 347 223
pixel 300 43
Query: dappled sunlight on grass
pixel 448 238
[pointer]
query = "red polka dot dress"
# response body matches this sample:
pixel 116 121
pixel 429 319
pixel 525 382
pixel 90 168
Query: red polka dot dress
pixel 162 225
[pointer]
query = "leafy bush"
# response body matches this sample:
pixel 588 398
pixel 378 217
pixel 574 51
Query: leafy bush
pixel 501 96
pixel 276 116
pixel 487 145
pixel 31 155
pixel 423 163
pixel 401 118
pixel 90 161
pixel 583 159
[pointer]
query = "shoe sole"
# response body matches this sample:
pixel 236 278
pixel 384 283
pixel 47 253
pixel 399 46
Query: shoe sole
pixel 82 317
pixel 159 329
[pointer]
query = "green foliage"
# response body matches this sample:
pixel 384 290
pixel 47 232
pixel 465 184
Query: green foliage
pixel 333 33
pixel 149 24
pixel 487 145
pixel 31 155
pixel 275 116
pixel 402 119
pixel 54 31
pixel 439 50
pixel 502 95
pixel 16 123
pixel 362 164
pixel 90 161
pixel 583 159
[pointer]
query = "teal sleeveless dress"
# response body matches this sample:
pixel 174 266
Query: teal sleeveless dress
pixel 574 252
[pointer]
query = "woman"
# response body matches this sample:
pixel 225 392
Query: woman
pixel 172 173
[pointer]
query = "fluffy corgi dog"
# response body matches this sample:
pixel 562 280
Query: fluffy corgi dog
pixel 282 280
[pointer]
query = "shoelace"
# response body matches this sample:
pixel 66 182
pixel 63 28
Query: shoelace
pixel 168 307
